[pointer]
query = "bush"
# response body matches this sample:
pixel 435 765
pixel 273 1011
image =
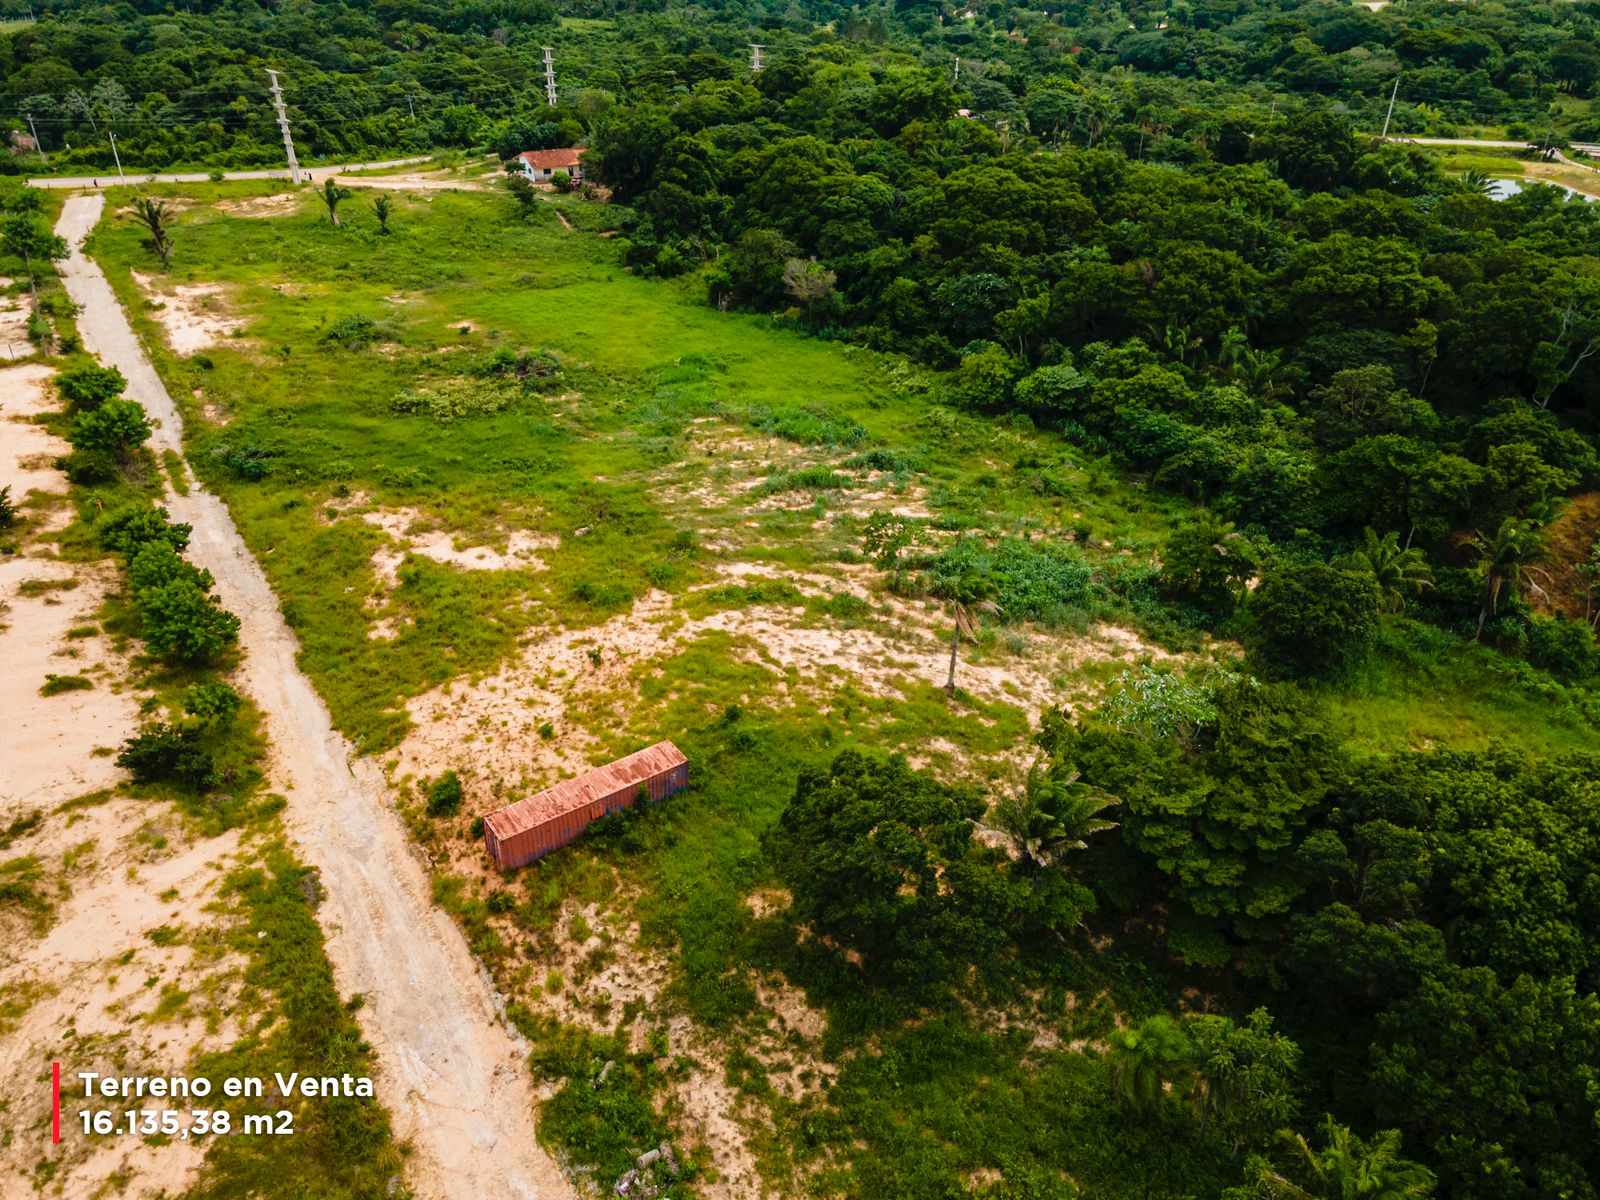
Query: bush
pixel 1033 581
pixel 90 466
pixel 157 564
pixel 116 427
pixel 214 704
pixel 1564 648
pixel 128 529
pixel 87 388
pixel 180 622
pixel 8 510
pixel 162 752
pixel 1313 619
pixel 444 795
pixel 355 333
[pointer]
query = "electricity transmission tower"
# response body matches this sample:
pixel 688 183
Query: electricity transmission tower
pixel 549 77
pixel 283 124
pixel 757 63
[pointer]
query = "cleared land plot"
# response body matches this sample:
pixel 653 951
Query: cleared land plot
pixel 526 511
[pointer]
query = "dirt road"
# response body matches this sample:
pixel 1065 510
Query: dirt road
pixel 452 1075
pixel 313 175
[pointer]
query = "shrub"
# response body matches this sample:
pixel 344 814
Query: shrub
pixel 1564 648
pixel 116 427
pixel 1313 619
pixel 8 510
pixel 127 529
pixel 87 388
pixel 1030 580
pixel 247 462
pixel 444 795
pixel 355 333
pixel 180 622
pixel 90 466
pixel 162 752
pixel 54 685
pixel 157 564
pixel 1208 563
pixel 214 704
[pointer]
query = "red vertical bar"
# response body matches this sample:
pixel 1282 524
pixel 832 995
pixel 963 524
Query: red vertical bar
pixel 55 1103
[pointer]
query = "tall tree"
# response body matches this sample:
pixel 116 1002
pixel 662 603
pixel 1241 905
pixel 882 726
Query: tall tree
pixel 1509 562
pixel 970 597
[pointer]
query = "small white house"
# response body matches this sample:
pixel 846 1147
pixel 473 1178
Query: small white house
pixel 540 165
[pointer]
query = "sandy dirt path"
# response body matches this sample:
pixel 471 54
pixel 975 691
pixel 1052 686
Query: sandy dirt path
pixel 452 1074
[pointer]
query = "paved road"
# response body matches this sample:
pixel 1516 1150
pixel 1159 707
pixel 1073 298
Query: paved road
pixel 1486 143
pixel 452 1075
pixel 318 174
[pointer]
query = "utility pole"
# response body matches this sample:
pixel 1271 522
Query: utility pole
pixel 1386 116
pixel 283 124
pixel 37 144
pixel 118 157
pixel 549 77
pixel 757 63
pixel 958 68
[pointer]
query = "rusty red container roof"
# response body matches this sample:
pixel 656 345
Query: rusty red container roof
pixel 570 795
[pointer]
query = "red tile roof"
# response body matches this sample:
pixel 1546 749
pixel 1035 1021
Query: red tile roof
pixel 550 160
pixel 572 794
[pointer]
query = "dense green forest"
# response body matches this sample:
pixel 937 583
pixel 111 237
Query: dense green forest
pixel 186 83
pixel 1166 234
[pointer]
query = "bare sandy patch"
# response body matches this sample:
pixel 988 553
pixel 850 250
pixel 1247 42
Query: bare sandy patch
pixel 85 982
pixel 193 315
pixel 92 988
pixel 531 721
pixel 48 743
pixel 276 205
pixel 415 533
pixel 14 312
pixel 27 449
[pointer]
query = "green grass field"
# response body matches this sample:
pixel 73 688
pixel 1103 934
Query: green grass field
pixel 642 366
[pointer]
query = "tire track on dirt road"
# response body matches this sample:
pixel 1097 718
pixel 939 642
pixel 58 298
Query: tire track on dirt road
pixel 453 1075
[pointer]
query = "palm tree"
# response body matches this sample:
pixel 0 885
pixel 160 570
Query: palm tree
pixel 1509 559
pixel 1398 573
pixel 333 195
pixel 1049 815
pixel 968 597
pixel 1475 182
pixel 1346 1168
pixel 1145 1059
pixel 381 208
pixel 156 217
pixel 1231 346
pixel 1261 372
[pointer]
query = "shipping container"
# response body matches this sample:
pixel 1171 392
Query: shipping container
pixel 531 828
